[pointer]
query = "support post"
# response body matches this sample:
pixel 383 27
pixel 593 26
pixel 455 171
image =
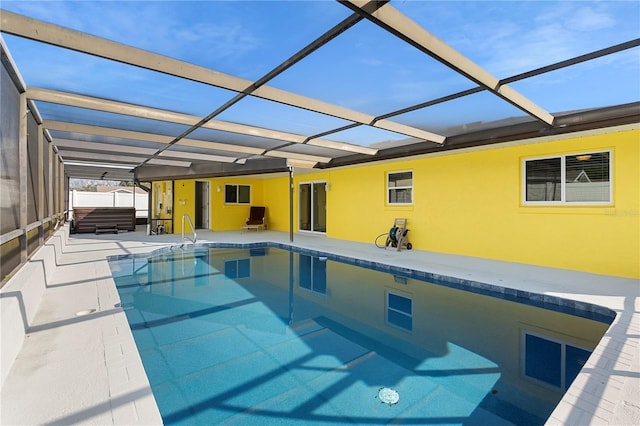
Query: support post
pixel 149 208
pixel 290 203
pixel 50 186
pixel 40 198
pixel 23 173
pixel 60 187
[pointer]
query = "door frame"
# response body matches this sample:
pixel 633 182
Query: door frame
pixel 313 201
pixel 202 194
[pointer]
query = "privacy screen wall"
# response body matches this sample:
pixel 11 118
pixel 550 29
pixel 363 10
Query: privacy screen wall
pixel 9 166
pixel 32 188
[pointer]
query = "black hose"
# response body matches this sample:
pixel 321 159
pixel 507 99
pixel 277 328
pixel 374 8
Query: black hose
pixel 386 234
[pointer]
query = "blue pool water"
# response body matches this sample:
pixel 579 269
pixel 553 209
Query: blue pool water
pixel 263 335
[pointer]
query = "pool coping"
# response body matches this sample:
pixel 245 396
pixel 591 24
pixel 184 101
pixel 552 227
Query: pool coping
pixel 586 310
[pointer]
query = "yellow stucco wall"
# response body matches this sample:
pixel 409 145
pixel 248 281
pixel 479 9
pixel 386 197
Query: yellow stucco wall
pixel 162 205
pixel 222 217
pixel 184 202
pixel 276 194
pixel 469 203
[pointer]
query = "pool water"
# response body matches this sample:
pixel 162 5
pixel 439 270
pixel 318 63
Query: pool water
pixel 264 335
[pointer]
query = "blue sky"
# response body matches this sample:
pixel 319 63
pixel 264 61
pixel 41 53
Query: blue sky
pixel 363 69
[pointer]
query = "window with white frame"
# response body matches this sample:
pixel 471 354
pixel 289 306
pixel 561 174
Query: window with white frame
pixel 551 361
pixel 400 311
pixel 400 188
pixel 575 178
pixel 237 194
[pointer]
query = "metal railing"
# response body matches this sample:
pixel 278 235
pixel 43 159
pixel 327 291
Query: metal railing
pixel 193 230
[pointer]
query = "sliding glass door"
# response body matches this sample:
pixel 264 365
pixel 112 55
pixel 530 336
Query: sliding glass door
pixel 313 207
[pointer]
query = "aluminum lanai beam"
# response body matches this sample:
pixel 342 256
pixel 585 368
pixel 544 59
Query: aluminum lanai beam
pixel 147 137
pixel 128 149
pixel 528 74
pixel 33 29
pixel 296 57
pixel 395 22
pixel 97 104
pixel 150 137
pixel 301 157
pixel 80 170
pixel 70 155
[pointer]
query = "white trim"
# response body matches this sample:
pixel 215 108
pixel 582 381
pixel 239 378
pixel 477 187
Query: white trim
pixel 388 188
pixel 311 231
pixel 563 202
pixel 208 185
pixel 237 185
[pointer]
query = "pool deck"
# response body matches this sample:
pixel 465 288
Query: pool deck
pixel 85 369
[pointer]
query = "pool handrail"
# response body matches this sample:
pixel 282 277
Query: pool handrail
pixel 186 216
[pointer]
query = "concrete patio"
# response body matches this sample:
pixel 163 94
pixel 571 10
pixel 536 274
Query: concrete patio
pixel 79 366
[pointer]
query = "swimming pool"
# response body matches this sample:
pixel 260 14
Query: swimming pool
pixel 260 334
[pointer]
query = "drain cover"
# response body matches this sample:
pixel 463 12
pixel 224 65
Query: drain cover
pixel 389 396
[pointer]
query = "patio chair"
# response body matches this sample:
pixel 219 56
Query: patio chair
pixel 256 218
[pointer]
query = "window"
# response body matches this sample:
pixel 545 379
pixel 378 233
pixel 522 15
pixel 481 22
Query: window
pixel 240 268
pixel 579 178
pixel 400 311
pixel 313 273
pixel 400 188
pixel 552 362
pixel 237 194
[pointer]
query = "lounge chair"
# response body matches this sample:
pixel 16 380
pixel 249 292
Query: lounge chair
pixel 256 219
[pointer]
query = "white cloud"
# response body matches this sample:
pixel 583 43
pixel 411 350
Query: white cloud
pixel 540 34
pixel 215 40
pixel 588 19
pixel 372 61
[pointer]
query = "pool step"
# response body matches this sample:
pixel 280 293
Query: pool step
pixel 305 326
pixel 312 378
pixel 354 362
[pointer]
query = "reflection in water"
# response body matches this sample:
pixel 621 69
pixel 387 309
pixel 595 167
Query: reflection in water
pixel 251 335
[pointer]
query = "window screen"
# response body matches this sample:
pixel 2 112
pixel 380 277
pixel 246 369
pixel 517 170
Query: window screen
pixel 569 179
pixel 544 180
pixel 587 177
pixel 237 194
pixel 400 188
pixel 244 194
